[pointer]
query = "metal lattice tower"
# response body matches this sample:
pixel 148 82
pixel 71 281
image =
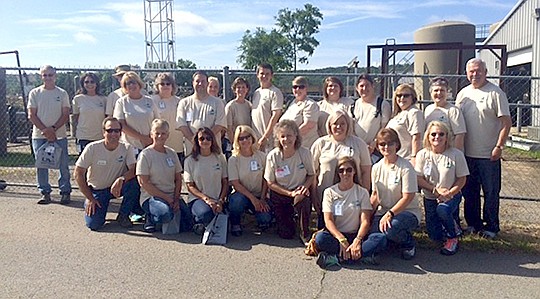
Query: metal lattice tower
pixel 159 34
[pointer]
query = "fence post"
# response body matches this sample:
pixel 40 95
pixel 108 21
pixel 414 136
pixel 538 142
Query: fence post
pixel 3 114
pixel 518 116
pixel 226 83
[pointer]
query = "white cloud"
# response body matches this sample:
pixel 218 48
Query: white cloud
pixel 458 17
pixel 85 37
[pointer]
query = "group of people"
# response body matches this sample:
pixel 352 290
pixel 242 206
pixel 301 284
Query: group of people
pixel 358 164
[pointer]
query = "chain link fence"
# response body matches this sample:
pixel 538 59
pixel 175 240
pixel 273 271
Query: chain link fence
pixel 521 158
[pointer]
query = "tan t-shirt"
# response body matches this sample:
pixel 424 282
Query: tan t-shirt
pixel 206 173
pixel 91 111
pixel 161 169
pixel 366 124
pixel 346 206
pixel 167 110
pixel 265 100
pixel 449 114
pixel 49 105
pixel 442 170
pixel 197 114
pixel 249 171
pixel 301 112
pixel 138 114
pixel 326 108
pixel 481 109
pixel 291 172
pixel 407 123
pixel 326 152
pixel 105 166
pixel 238 114
pixel 391 181
pixel 111 100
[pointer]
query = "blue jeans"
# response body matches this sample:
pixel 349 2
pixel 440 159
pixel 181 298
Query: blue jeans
pixel 401 231
pixel 157 210
pixel 43 173
pixel 201 212
pixel 130 197
pixel 239 203
pixel 485 174
pixel 325 242
pixel 441 215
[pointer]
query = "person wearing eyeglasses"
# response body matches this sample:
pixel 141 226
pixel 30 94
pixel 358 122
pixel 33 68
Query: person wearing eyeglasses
pixel 303 111
pixel 328 149
pixel 442 172
pixel 114 95
pixel 347 213
pixel 205 175
pixel 159 173
pixel 442 110
pixel 408 121
pixel 106 170
pixel 88 111
pixel 246 169
pixel 48 111
pixel 289 173
pixel 136 112
pixel 394 186
pixel 167 104
pixel 333 99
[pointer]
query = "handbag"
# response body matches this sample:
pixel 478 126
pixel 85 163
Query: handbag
pixel 216 231
pixel 49 155
pixel 172 227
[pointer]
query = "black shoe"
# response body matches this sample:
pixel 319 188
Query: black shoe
pixel 325 260
pixel 45 199
pixel 236 230
pixel 149 227
pixel 198 229
pixel 124 221
pixel 66 199
pixel 408 254
pixel 370 260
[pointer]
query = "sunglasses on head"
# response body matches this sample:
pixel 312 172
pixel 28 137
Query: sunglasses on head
pixel 203 138
pixel 299 86
pixel 345 170
pixel 441 134
pixel 113 130
pixel 242 138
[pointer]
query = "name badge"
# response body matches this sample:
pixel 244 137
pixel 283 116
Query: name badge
pixel 101 162
pixel 393 178
pixel 338 207
pixel 427 168
pixel 347 151
pixel 282 172
pixel 170 162
pixel 253 165
pixel 161 105
pixel 189 116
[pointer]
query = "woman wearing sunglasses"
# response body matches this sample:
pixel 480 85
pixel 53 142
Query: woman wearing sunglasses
pixel 347 213
pixel 442 172
pixel 394 185
pixel 408 121
pixel 246 169
pixel 167 104
pixel 205 174
pixel 303 111
pixel 88 111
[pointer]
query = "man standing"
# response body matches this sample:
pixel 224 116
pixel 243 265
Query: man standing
pixel 106 169
pixel 267 106
pixel 200 110
pixel 487 117
pixel 48 110
pixel 119 71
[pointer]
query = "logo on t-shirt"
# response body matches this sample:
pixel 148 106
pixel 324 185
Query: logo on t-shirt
pixel 120 159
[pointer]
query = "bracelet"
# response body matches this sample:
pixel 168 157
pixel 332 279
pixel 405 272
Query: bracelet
pixel 342 240
pixel 359 239
pixel 391 213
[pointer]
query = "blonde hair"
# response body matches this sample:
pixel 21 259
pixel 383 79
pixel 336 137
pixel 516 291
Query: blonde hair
pixel 334 117
pixel 130 75
pixel 396 109
pixel 236 143
pixel 159 123
pixel 445 128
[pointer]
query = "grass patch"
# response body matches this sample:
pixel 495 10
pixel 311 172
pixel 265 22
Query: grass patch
pixel 511 153
pixel 17 159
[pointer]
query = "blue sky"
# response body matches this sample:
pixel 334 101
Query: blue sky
pixel 99 33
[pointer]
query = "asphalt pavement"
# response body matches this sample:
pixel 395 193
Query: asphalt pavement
pixel 47 252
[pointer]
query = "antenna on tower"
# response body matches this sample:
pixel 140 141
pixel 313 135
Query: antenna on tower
pixel 159 34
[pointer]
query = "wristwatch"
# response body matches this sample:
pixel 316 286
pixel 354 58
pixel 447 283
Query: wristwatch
pixel 500 147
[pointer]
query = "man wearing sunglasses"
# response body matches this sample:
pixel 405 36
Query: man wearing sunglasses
pixel 487 118
pixel 105 170
pixel 48 110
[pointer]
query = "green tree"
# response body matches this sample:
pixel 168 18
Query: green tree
pixel 186 64
pixel 299 28
pixel 261 46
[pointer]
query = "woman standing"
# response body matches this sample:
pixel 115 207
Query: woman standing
pixel 167 104
pixel 442 172
pixel 394 187
pixel 408 121
pixel 88 111
pixel 246 168
pixel 289 174
pixel 238 110
pixel 347 213
pixel 333 99
pixel 135 112
pixel 205 175
pixel 304 112
pixel 159 173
